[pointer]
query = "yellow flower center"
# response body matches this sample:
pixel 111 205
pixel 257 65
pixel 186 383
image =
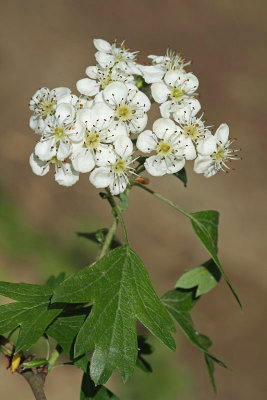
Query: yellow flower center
pixel 124 113
pixel 105 82
pixel 219 155
pixel 177 93
pixel 92 140
pixel 120 166
pixel 47 107
pixel 191 131
pixel 164 148
pixel 55 161
pixel 59 132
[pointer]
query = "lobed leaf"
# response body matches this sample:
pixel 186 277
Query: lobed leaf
pixel 205 225
pixel 204 278
pixel 64 330
pixel 90 391
pixel 120 290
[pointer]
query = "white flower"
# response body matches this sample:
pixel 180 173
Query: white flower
pixel 128 106
pixel 95 146
pixel 116 167
pixel 161 64
pixel 214 153
pixel 193 129
pixel 109 56
pixel 175 93
pixel 44 103
pixel 59 133
pixel 99 78
pixel 170 146
pixel 65 175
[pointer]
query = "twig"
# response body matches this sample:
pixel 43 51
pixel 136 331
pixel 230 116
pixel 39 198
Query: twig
pixel 36 382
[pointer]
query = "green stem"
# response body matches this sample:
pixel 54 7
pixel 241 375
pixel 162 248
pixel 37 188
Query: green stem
pixel 117 213
pixel 109 237
pixel 53 358
pixel 162 198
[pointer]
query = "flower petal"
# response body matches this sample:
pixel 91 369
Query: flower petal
pixel 123 146
pixel 38 166
pixel 146 141
pixel 222 134
pixel 115 93
pixel 174 78
pixel 191 83
pixel 160 92
pixel 174 165
pixel 156 166
pixel 137 125
pixel 92 72
pixel 61 92
pixel 102 45
pixel 65 113
pixel 83 161
pixel 202 163
pixel 118 184
pixel 87 86
pixel 207 146
pixel 189 149
pixel 165 109
pixel 151 74
pixel 100 177
pixel 114 130
pixel 105 156
pixel 104 59
pixel 163 125
pixel 140 100
pixel 76 131
pixel 65 175
pixel 187 109
pixel 64 150
pixel 45 149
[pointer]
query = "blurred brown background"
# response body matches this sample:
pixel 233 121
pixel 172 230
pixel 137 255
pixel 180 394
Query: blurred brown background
pixel 50 44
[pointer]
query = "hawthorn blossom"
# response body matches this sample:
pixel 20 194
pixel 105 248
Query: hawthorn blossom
pixel 99 78
pixel 193 128
pixel 172 148
pixel 161 64
pixel 60 132
pixel 95 146
pixel 44 103
pixel 117 166
pixel 128 106
pixel 214 153
pixel 65 175
pixel 109 56
pixel 175 93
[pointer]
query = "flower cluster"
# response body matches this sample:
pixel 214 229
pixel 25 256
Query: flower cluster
pixel 102 131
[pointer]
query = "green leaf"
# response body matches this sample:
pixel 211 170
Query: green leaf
pixel 182 176
pixel 124 201
pixel 64 330
pixel 211 369
pixel 25 292
pixel 90 391
pixel 33 312
pixel 205 225
pixel 179 306
pixel 33 318
pixel 179 303
pixel 99 237
pixel 120 290
pixel 205 278
pixel 144 348
pixel 54 281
